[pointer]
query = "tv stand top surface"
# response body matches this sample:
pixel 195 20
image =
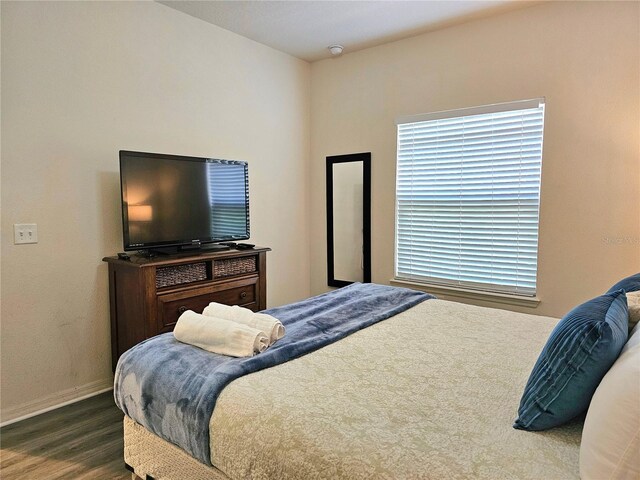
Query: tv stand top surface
pixel 184 257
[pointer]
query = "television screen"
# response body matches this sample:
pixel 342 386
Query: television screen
pixel 170 200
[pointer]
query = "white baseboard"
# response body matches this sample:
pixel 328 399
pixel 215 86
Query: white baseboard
pixel 51 402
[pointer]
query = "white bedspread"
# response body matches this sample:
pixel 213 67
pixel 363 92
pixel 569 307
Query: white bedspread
pixel 430 394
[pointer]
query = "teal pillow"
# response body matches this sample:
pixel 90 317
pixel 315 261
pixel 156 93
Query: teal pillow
pixel 578 353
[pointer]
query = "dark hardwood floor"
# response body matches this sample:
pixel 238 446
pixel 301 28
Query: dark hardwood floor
pixel 79 441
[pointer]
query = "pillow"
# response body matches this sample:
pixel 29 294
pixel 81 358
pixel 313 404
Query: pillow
pixel 578 353
pixel 611 435
pixel 629 284
pixel 633 303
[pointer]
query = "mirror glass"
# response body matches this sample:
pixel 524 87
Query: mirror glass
pixel 348 219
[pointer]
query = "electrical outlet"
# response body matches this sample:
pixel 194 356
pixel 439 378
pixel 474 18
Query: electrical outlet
pixel 25 233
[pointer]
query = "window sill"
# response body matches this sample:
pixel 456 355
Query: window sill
pixel 506 298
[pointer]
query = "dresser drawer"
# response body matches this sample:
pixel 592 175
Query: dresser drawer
pixel 171 306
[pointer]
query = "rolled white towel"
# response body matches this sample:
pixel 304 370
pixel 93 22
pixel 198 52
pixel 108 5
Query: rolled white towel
pixel 261 321
pixel 271 325
pixel 227 312
pixel 218 335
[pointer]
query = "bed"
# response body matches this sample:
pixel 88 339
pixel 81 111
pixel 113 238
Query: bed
pixel 429 393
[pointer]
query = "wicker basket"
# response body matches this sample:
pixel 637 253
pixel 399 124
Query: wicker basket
pixel 234 266
pixel 179 274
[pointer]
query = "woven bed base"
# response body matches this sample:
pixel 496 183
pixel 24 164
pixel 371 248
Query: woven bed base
pixel 150 455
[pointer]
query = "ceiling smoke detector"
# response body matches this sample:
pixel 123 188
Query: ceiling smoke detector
pixel 335 50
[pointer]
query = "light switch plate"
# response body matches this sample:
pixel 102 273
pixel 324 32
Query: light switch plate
pixel 25 233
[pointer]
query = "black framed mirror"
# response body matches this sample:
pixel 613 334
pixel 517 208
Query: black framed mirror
pixel 348 219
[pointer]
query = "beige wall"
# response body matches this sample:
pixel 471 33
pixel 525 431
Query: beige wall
pixel 81 80
pixel 582 56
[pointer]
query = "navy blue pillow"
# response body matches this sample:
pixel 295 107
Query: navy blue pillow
pixel 578 353
pixel 629 284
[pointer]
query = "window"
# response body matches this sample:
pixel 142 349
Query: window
pixel 468 196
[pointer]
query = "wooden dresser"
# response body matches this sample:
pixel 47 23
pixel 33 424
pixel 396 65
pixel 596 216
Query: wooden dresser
pixel 147 295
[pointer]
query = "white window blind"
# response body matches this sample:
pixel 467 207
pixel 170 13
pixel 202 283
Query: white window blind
pixel 468 195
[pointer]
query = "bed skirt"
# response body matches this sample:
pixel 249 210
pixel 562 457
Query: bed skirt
pixel 148 454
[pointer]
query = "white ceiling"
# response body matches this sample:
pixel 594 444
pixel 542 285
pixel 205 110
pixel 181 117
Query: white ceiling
pixel 305 28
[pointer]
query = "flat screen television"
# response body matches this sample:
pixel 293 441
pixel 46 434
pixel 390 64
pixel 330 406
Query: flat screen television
pixel 183 203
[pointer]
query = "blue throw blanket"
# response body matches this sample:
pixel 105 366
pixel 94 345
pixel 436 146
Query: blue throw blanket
pixel 171 388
